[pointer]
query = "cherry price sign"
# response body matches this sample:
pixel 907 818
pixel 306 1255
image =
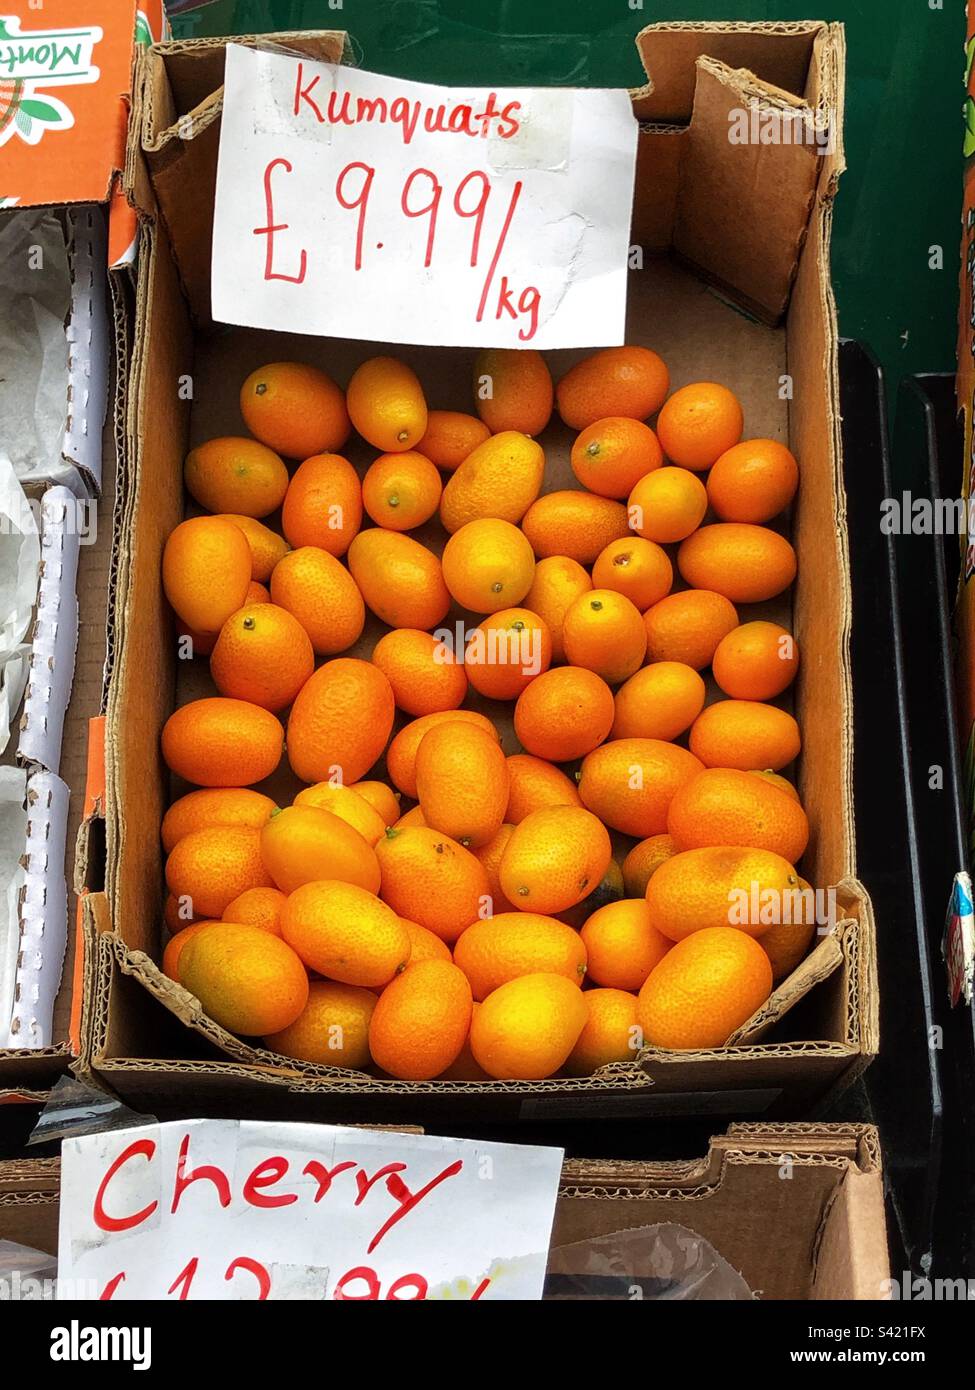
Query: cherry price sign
pixel 358 206
pixel 234 1209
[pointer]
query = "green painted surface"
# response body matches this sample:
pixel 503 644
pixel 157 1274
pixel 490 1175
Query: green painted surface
pixel 900 196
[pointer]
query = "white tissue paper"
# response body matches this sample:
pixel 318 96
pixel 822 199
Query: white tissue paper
pixel 20 554
pixel 35 300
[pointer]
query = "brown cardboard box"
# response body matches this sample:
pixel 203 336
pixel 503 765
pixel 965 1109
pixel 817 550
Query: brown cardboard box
pixel 734 287
pixel 818 1187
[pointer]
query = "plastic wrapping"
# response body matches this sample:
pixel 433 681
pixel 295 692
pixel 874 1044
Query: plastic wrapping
pixel 26 1273
pixel 665 1261
pixel 74 1109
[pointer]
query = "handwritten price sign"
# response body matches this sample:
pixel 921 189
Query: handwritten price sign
pixel 227 1209
pixel 358 206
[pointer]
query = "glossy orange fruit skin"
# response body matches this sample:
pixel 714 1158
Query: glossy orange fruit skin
pixel 386 404
pixel 643 861
pixel 450 436
pixel 340 721
pixel 745 734
pixel 535 783
pixel 629 783
pixel 521 392
pixel 611 1033
pixel 753 482
pixel 344 932
pixel 401 491
pixel 247 980
pixel 462 783
pixel 321 594
pixel 757 661
pixel 323 504
pixel 306 844
pixel 525 1029
pixel 421 1021
pixel 464 1067
pixel 667 505
pixel 496 949
pixel 175 946
pixel 719 887
pixel 787 943
pixel 212 867
pixel 623 945
pixel 638 569
pixel 401 754
pixel 206 571
pixel 705 987
pixel 506 652
pixel 698 423
pixel 424 944
pixel 429 878
pixel 214 806
pixel 218 742
pixel 554 859
pixel 231 474
pixel 257 907
pixel 381 798
pixel 688 626
pixel 490 856
pixel 576 524
pixel 345 803
pixel 264 655
pixel 629 381
pixel 501 478
pixel 332 1029
pixel 400 579
pixel 564 714
pixel 661 701
pixel 724 806
pixel 610 456
pixel 266 546
pixel 425 675
pixel 557 581
pixel 604 632
pixel 488 565
pixel 748 564
pixel 295 409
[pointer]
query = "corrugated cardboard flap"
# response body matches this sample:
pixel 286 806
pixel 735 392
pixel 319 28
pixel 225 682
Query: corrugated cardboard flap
pixel 778 53
pixel 833 952
pixel 179 124
pixel 738 195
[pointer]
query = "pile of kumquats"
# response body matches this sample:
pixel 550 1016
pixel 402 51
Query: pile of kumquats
pixel 531 840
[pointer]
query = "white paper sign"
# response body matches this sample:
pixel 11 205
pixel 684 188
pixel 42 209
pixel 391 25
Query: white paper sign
pixel 357 206
pixel 228 1209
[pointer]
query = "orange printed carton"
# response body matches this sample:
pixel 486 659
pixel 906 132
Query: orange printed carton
pixel 65 92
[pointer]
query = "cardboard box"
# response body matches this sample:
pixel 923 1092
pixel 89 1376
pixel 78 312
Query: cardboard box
pixel 64 105
pixel 734 286
pixel 820 1188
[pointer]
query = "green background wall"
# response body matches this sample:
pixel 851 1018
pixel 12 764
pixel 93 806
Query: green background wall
pixel 901 194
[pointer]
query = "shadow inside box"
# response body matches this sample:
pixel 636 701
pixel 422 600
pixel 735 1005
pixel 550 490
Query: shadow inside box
pixel 902 1090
